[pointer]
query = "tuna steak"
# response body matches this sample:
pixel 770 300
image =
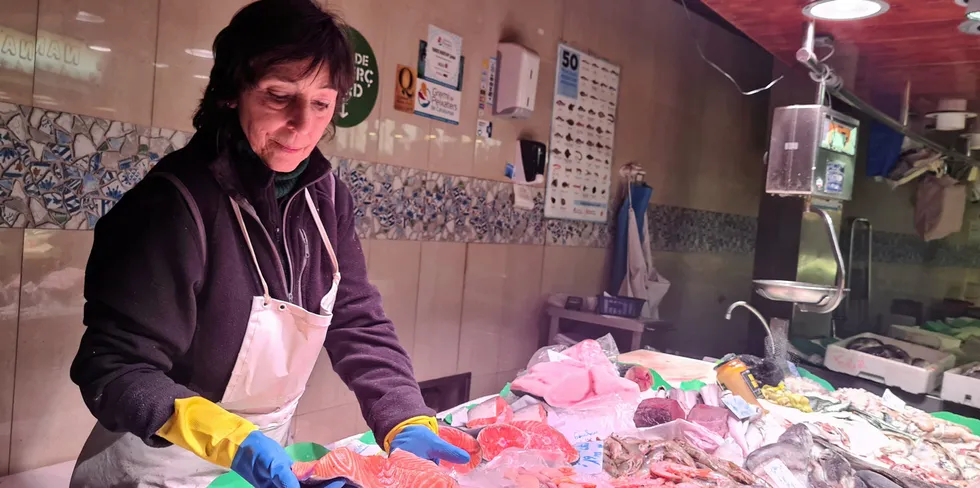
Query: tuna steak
pixel 400 469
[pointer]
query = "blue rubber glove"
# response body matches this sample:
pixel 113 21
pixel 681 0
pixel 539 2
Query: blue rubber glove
pixel 264 463
pixel 424 443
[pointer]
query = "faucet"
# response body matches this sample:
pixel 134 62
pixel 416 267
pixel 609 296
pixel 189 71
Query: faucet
pixel 770 345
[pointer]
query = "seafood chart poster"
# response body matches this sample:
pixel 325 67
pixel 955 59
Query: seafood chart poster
pixel 583 121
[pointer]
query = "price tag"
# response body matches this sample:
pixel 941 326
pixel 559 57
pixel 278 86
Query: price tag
pixel 892 401
pixel 590 458
pixel 781 475
pixel 738 406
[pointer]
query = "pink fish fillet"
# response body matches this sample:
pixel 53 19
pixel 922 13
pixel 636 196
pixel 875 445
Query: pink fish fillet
pixel 588 352
pixel 604 382
pixel 561 384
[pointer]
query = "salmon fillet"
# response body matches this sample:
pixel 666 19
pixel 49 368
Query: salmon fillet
pixel 399 470
pixel 465 442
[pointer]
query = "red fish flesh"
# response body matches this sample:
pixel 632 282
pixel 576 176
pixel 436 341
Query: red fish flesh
pixel 399 470
pixel 546 438
pixel 493 411
pixel 495 438
pixel 465 442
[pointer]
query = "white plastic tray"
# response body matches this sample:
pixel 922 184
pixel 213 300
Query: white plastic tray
pixel 890 372
pixel 961 389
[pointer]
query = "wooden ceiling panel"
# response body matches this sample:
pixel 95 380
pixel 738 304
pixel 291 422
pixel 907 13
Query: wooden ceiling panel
pixel 918 40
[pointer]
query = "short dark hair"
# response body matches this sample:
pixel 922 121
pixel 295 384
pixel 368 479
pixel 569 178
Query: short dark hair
pixel 267 33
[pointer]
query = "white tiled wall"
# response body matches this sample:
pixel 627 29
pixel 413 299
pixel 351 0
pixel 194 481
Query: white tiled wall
pixel 50 422
pixel 457 307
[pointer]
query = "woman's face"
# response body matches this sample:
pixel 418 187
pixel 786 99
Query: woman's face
pixel 286 114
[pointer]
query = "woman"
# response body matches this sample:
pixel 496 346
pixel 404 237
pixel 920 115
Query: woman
pixel 214 282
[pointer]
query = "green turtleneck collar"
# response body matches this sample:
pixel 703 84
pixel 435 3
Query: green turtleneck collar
pixel 285 182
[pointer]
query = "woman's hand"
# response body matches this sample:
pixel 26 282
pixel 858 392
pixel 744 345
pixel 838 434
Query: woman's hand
pixel 223 438
pixel 422 442
pixel 264 463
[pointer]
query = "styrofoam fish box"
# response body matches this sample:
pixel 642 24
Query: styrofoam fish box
pixel 961 389
pixel 890 372
pixel 924 337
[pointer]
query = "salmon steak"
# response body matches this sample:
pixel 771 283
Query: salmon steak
pixel 399 470
pixel 496 438
pixel 465 442
pixel 544 437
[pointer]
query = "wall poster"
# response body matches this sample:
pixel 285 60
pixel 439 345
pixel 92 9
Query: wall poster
pixel 583 121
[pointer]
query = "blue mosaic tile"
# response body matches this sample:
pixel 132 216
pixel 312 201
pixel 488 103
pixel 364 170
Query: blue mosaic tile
pixel 580 234
pixel 892 247
pixel 679 229
pixel 395 202
pixel 59 170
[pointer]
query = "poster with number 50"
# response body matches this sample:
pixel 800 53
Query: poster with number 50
pixel 583 121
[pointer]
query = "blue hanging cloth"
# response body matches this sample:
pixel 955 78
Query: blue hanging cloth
pixel 884 149
pixel 641 201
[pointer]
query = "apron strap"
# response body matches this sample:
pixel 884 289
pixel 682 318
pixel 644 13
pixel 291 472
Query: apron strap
pixel 323 234
pixel 251 250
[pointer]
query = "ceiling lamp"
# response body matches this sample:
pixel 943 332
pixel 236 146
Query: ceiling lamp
pixel 845 9
pixel 951 115
pixel 972 9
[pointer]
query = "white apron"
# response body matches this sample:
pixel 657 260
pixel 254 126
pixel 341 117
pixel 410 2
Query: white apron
pixel 274 363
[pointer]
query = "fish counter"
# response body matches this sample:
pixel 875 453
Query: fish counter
pixel 587 416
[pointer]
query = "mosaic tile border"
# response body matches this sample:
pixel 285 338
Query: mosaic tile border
pixel 395 202
pixel 894 248
pixel 678 229
pixel 64 171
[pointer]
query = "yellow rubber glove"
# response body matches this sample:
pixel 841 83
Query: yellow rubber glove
pixel 423 420
pixel 204 428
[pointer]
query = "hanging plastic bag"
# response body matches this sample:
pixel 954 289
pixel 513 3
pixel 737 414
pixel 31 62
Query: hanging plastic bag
pixel 939 207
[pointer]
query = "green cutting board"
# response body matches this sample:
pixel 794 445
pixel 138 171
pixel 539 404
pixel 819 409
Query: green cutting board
pixel 302 452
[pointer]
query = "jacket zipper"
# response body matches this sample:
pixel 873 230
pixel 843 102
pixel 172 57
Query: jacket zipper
pixel 275 252
pixel 251 213
pixel 302 267
pixel 285 245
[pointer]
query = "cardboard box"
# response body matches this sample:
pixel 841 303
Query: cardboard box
pixel 890 372
pixel 959 388
pixel 928 338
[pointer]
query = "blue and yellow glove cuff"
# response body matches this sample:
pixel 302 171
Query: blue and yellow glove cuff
pixel 207 430
pixel 422 420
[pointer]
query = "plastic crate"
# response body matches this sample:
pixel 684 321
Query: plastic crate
pixel 620 306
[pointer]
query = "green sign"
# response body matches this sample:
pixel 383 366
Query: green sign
pixel 364 93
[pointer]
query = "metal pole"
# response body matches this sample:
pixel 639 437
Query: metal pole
pixel 906 102
pixel 835 85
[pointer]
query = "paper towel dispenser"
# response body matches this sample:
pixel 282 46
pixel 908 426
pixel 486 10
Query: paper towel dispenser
pixel 517 81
